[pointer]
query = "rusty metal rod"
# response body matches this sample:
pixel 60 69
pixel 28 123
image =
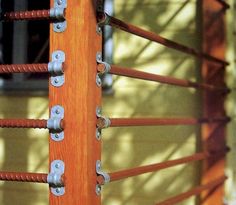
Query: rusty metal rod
pixel 128 72
pixel 193 192
pixel 105 19
pixel 23 177
pixel 26 123
pixel 224 4
pixel 125 122
pixel 119 175
pixel 23 123
pixel 26 15
pixel 24 68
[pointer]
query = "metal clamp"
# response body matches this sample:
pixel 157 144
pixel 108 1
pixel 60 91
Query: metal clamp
pixel 107 68
pixel 98 131
pixel 99 60
pixel 58 13
pixel 100 172
pixel 54 179
pixel 106 120
pixel 55 67
pixel 54 123
pixel 105 21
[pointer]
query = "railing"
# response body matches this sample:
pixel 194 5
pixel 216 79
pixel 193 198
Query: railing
pixel 75 97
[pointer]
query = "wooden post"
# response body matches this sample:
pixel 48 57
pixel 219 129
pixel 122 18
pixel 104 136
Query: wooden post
pixel 79 96
pixel 213 135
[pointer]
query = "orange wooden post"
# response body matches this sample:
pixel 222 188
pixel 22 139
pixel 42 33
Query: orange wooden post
pixel 79 96
pixel 213 135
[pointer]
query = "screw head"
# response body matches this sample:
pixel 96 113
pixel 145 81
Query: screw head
pixel 98 166
pixel 98 111
pixel 58 190
pixel 59 2
pixel 57 165
pixel 98 189
pixel 58 26
pixel 57 111
pixel 57 56
pixel 98 134
pixel 56 80
pixel 57 136
pixel 98 81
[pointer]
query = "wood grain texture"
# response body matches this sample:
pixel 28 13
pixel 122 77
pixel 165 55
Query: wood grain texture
pixel 213 137
pixel 79 96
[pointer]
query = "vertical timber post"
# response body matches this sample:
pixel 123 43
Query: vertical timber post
pixel 79 96
pixel 213 135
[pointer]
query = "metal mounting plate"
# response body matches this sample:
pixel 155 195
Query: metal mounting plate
pixel 57 169
pixel 106 177
pixel 60 26
pixel 58 80
pixel 58 113
pixel 99 171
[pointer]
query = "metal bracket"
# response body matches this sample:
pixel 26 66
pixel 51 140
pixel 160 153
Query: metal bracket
pixel 98 131
pixel 105 21
pixel 99 60
pixel 107 68
pixel 58 13
pixel 100 9
pixel 55 67
pixel 54 123
pixel 105 119
pixel 54 179
pixel 103 174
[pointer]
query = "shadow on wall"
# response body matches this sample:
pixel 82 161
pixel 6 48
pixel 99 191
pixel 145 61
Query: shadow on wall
pixel 23 150
pixel 131 147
